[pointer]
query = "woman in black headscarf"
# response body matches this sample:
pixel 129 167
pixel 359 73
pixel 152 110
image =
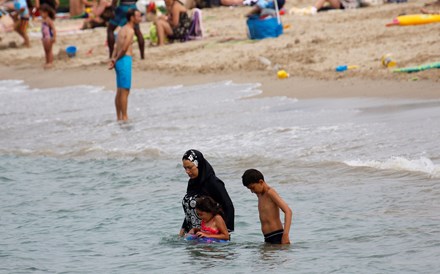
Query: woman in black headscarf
pixel 202 181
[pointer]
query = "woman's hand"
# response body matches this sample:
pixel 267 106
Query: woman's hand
pixel 182 233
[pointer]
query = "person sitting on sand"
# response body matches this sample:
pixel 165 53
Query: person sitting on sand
pixel 77 8
pixel 175 25
pixel 101 13
pixel 321 5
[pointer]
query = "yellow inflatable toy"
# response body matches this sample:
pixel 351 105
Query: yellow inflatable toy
pixel 415 19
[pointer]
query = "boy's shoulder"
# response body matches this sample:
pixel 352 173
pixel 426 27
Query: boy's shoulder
pixel 272 193
pixel 270 189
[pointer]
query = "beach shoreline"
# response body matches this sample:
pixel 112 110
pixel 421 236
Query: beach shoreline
pixel 270 85
pixel 309 50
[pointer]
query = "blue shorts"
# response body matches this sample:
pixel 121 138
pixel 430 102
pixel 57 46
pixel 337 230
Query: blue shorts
pixel 120 18
pixel 123 72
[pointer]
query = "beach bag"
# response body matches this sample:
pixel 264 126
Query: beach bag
pixel 267 27
pixel 263 28
pixel 195 30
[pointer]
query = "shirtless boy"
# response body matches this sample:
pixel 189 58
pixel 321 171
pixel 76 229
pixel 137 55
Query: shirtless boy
pixel 122 62
pixel 269 205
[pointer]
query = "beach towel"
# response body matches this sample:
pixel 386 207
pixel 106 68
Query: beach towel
pixel 196 28
pixel 435 65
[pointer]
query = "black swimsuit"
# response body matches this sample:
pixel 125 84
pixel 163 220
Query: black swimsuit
pixel 181 31
pixel 192 220
pixel 274 237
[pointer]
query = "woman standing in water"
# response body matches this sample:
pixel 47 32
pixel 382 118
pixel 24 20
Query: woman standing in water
pixel 203 182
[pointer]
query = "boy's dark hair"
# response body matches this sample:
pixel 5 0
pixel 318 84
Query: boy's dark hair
pixel 130 13
pixel 207 204
pixel 50 11
pixel 251 176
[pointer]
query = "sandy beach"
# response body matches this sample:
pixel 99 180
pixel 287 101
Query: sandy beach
pixel 309 50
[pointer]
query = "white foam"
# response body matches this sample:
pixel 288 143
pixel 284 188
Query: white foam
pixel 423 165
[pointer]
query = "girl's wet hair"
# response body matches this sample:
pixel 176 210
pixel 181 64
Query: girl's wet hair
pixel 207 204
pixel 50 11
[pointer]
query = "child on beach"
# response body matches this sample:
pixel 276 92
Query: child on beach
pixel 269 205
pixel 48 33
pixel 22 14
pixel 213 225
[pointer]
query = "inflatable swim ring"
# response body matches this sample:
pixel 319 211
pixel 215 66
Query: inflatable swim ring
pixel 190 237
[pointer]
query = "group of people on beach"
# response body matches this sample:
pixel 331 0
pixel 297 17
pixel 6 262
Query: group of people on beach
pixel 23 10
pixel 174 25
pixel 209 211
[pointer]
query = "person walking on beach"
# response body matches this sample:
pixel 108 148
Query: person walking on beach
pixel 203 182
pixel 48 32
pixel 269 205
pixel 22 15
pixel 120 20
pixel 122 63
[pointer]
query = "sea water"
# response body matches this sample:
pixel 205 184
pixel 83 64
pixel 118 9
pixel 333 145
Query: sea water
pixel 82 193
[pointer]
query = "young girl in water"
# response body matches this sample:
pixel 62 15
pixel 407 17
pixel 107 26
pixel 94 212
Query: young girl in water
pixel 213 225
pixel 48 33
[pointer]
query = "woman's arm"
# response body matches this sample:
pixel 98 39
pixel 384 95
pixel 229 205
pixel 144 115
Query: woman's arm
pixel 184 228
pixel 176 9
pixel 54 31
pixel 216 189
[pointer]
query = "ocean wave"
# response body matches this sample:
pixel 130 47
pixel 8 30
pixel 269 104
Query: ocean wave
pixel 423 165
pixel 94 152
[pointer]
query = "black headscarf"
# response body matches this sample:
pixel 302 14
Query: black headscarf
pixel 208 184
pixel 204 167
